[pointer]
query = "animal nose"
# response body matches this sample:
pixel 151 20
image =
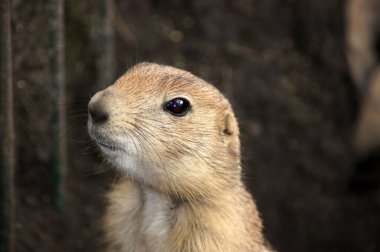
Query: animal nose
pixel 98 114
pixel 97 110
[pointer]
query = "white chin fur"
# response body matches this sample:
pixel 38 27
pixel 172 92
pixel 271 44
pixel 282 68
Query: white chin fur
pixel 126 159
pixel 128 164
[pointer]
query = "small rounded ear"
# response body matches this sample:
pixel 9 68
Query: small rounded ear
pixel 229 124
pixel 230 132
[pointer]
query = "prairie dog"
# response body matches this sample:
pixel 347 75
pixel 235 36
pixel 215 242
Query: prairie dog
pixel 176 140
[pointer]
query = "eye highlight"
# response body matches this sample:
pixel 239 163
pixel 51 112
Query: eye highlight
pixel 177 106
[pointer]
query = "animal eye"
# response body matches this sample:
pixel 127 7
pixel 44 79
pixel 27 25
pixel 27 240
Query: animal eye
pixel 177 106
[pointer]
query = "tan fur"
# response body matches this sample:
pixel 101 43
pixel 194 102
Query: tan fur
pixel 182 190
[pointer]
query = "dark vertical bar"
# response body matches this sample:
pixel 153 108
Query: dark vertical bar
pixel 7 155
pixel 106 61
pixel 57 80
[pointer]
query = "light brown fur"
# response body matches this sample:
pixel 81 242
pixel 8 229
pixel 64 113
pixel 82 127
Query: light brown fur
pixel 182 190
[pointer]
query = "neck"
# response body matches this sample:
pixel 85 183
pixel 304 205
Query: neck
pixel 212 215
pixel 213 221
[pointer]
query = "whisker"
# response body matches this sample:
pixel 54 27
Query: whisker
pixel 97 172
pixel 110 188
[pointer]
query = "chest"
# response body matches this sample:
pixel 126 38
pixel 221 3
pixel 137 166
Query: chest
pixel 159 216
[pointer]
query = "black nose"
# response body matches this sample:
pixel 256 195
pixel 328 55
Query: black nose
pixel 97 113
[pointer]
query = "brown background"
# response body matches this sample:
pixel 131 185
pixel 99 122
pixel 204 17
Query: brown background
pixel 281 63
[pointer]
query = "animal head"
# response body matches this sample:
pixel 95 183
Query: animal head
pixel 167 129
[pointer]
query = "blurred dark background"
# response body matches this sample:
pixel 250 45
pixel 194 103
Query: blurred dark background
pixel 282 63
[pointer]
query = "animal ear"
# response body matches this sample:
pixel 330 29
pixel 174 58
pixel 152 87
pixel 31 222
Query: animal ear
pixel 229 125
pixel 230 133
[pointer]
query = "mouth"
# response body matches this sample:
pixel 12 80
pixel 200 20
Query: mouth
pixel 106 146
pixel 102 142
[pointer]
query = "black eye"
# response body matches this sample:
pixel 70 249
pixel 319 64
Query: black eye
pixel 177 106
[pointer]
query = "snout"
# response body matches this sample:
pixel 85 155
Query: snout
pixel 98 116
pixel 106 128
pixel 97 110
